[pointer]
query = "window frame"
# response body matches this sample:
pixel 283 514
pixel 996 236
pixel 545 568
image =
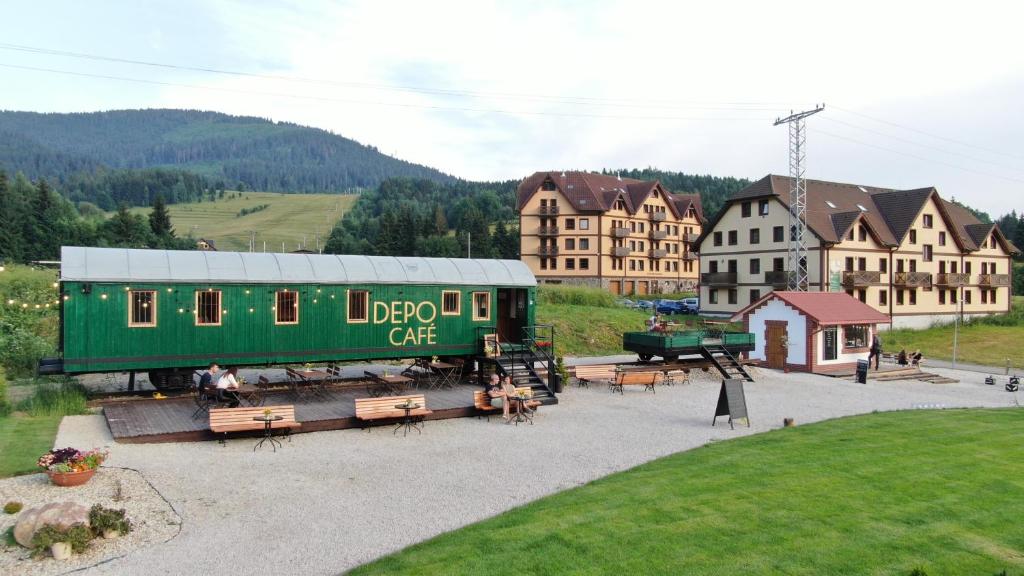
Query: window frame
pixel 857 343
pixel 487 305
pixel 348 307
pixel 220 301
pixel 131 308
pixel 278 307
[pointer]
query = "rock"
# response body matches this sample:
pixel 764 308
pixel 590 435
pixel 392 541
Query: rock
pixel 60 514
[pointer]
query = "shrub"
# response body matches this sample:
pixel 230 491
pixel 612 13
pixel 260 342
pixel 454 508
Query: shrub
pixel 102 519
pixel 575 295
pixel 919 571
pixel 13 507
pixel 64 399
pixel 77 535
pixel 5 405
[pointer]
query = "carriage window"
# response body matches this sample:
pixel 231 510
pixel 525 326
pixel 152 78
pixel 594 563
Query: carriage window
pixel 142 308
pixel 208 308
pixel 451 303
pixel 856 336
pixel 358 305
pixel 286 309
pixel 481 305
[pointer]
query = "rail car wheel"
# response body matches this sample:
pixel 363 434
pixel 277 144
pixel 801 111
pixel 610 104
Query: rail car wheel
pixel 645 357
pixel 671 359
pixel 170 379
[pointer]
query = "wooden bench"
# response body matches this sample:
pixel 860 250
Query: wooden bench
pixel 593 373
pixel 647 379
pixel 383 408
pixel 227 420
pixel 482 402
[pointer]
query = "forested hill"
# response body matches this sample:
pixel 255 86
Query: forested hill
pixel 713 190
pixel 229 150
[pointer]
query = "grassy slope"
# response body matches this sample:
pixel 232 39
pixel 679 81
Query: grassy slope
pixel 22 440
pixel 878 494
pixel 287 219
pixel 591 330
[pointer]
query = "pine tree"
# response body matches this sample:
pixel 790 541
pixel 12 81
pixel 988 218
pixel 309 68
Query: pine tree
pixel 476 234
pixel 160 219
pixel 440 222
pixel 10 239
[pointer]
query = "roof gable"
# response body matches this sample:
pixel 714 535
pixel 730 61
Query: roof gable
pixel 587 191
pixel 825 308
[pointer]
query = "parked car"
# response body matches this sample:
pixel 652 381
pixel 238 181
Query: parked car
pixel 669 307
pixel 626 303
pixel 644 304
pixel 692 305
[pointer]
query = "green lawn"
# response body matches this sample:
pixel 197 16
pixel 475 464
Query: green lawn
pixel 289 217
pixel 23 439
pixel 878 494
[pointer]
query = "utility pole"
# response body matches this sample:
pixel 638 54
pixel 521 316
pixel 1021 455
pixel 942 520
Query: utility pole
pixel 469 244
pixel 797 198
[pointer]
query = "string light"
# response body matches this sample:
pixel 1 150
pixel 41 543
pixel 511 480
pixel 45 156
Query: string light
pixel 181 310
pixel 55 284
pixel 170 289
pixel 10 302
pixel 24 305
pixel 314 299
pixel 103 296
pixel 251 310
pixel 66 297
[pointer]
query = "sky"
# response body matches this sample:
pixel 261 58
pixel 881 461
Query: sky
pixel 916 93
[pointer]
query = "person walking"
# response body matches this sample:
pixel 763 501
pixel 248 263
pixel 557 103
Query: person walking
pixel 876 350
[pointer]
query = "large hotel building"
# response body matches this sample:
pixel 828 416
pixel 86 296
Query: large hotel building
pixel 907 253
pixel 627 236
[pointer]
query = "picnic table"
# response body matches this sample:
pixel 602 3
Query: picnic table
pixel 386 383
pixel 307 381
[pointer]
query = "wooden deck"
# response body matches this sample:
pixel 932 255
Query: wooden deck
pixel 170 420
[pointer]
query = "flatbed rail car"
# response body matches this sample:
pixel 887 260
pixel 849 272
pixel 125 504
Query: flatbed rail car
pixel 169 312
pixel 671 345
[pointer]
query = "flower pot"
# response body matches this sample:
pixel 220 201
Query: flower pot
pixel 61 550
pixel 70 478
pixel 111 533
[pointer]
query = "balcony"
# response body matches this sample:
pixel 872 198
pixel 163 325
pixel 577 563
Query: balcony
pixel 690 237
pixel 952 280
pixel 861 278
pixel 778 279
pixel 658 216
pixel 658 234
pixel 620 232
pixel 718 278
pixel 548 210
pixel 621 251
pixel 658 253
pixel 547 231
pixel 912 279
pixel 992 280
pixel 547 251
pixel 690 256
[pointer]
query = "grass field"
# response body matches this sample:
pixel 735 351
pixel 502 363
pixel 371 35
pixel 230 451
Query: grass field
pixel 881 494
pixel 287 219
pixel 23 439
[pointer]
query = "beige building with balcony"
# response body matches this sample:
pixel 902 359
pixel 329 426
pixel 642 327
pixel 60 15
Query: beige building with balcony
pixel 627 236
pixel 907 253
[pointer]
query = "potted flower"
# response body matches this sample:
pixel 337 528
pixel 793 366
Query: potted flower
pixel 267 412
pixel 308 365
pixel 71 467
pixel 60 543
pixel 108 522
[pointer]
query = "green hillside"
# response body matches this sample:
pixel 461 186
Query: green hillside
pixel 286 219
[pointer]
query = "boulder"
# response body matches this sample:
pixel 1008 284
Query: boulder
pixel 60 514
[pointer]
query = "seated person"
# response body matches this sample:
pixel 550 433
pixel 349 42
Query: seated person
pixel 497 395
pixel 227 388
pixel 655 323
pixel 916 358
pixel 901 358
pixel 513 395
pixel 206 379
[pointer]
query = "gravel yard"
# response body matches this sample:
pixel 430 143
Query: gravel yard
pixel 329 501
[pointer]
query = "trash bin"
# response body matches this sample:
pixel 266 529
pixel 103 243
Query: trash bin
pixel 862 371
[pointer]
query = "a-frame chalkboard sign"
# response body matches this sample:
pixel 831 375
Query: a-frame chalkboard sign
pixel 732 402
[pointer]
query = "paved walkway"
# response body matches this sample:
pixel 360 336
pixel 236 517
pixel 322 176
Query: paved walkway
pixel 329 501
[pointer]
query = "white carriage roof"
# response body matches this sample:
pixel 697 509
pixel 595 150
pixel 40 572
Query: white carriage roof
pixel 130 265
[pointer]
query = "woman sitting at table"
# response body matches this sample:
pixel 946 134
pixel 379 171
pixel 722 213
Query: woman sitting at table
pixel 513 394
pixel 497 395
pixel 227 388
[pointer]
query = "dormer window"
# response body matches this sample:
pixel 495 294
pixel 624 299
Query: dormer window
pixel 548 186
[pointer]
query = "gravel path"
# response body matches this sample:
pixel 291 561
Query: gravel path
pixel 329 501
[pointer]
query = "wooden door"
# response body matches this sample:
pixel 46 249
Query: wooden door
pixel 641 287
pixel 630 287
pixel 775 352
pixel 615 286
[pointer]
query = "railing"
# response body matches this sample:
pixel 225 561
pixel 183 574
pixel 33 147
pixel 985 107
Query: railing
pixel 952 279
pixel 547 251
pixel 690 237
pixel 777 278
pixel 547 231
pixel 912 279
pixel 549 210
pixel 658 253
pixel 658 234
pixel 860 278
pixel 620 232
pixel 993 280
pixel 658 216
pixel 540 340
pixel 718 278
pixel 621 251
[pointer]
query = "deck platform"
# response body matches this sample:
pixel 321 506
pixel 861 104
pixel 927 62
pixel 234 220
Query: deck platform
pixel 170 420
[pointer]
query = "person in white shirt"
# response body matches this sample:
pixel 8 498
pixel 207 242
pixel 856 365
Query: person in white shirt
pixel 227 388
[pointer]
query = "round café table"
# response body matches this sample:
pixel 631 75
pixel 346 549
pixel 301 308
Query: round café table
pixel 268 423
pixel 407 422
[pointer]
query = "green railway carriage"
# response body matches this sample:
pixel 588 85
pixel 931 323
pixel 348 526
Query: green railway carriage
pixel 169 312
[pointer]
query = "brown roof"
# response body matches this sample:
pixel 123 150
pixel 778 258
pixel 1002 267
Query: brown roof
pixel 833 207
pixel 587 191
pixel 825 308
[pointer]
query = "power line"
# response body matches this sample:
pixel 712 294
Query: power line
pixel 574 100
pixel 376 103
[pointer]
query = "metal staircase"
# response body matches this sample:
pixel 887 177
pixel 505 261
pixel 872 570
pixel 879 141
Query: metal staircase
pixel 531 362
pixel 725 362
